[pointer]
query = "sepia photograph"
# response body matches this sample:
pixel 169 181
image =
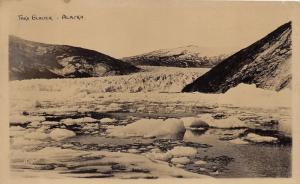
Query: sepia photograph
pixel 150 89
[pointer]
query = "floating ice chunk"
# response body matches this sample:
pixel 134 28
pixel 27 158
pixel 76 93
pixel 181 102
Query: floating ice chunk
pixel 159 156
pixel 90 126
pixel 78 121
pixel 170 128
pixel 260 139
pixel 107 120
pixel 207 118
pixel 230 122
pixel 194 122
pixel 133 151
pixel 200 162
pixel 181 160
pixel 61 134
pixel 182 151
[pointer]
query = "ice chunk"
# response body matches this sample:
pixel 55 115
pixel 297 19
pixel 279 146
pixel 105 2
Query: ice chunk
pixel 230 122
pixel 183 151
pixel 60 134
pixel 170 128
pixel 78 121
pixel 200 162
pixel 107 120
pixel 159 156
pixel 260 139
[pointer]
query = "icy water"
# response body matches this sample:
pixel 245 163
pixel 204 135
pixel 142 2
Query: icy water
pixel 222 152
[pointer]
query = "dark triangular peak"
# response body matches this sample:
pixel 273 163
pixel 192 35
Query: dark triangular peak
pixel 266 63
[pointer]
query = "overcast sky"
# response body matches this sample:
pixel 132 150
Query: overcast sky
pixel 123 28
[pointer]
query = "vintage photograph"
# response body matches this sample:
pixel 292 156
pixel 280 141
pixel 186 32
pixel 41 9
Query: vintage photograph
pixel 150 89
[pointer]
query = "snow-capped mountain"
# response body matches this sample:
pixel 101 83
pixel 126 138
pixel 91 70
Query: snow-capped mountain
pixel 266 63
pixel 188 56
pixel 30 60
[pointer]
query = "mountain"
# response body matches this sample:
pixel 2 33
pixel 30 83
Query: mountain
pixel 266 63
pixel 31 60
pixel 188 56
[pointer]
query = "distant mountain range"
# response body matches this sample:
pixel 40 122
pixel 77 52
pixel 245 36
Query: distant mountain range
pixel 30 60
pixel 188 56
pixel 266 63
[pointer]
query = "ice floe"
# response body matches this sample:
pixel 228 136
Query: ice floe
pixel 78 121
pixel 229 122
pixel 107 120
pixel 169 128
pixel 61 134
pixel 183 151
pixel 133 165
pixel 252 137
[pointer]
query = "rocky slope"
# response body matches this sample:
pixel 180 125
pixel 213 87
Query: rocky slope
pixel 188 56
pixel 30 60
pixel 266 63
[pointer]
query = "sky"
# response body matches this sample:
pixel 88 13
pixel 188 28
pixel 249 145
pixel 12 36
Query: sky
pixel 122 28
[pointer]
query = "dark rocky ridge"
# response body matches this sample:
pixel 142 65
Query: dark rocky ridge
pixel 32 60
pixel 266 63
pixel 188 56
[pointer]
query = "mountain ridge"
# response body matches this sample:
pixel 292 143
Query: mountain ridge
pixel 265 63
pixel 185 56
pixel 30 60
